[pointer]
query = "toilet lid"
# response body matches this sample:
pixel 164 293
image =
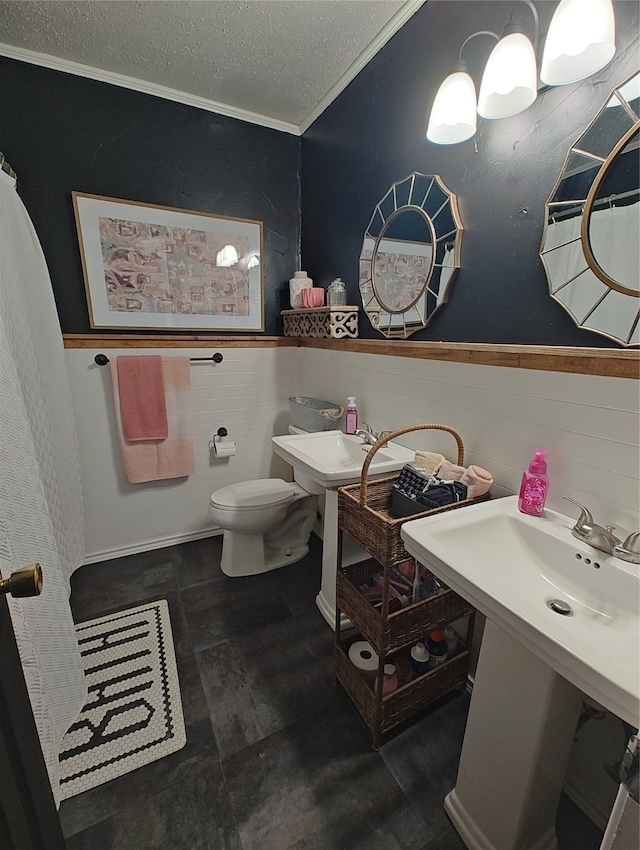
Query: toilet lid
pixel 268 492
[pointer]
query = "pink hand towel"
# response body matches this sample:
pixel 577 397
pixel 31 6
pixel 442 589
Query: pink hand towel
pixel 141 395
pixel 478 481
pixel 451 472
pixel 150 460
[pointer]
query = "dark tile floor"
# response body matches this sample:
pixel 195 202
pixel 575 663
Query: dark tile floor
pixel 276 757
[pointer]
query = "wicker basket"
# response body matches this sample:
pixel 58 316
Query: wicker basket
pixel 401 628
pixel 364 508
pixel 384 713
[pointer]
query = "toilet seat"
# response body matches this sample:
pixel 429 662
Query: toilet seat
pixel 249 495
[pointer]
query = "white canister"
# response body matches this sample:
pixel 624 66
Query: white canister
pixel 298 282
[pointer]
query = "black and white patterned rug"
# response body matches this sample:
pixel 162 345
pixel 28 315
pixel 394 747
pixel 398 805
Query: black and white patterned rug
pixel 133 714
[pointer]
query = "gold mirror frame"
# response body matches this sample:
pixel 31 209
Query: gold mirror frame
pixel 594 299
pixel 422 271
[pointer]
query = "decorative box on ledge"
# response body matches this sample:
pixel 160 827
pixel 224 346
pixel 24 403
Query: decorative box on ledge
pixel 321 322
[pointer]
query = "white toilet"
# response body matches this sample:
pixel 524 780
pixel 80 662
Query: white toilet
pixel 266 524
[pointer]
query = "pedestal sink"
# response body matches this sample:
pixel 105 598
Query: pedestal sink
pixel 334 459
pixel 321 463
pixel 562 620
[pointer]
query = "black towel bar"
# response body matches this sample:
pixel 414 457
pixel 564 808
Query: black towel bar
pixel 102 359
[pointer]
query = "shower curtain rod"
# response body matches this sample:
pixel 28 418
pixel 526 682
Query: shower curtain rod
pixel 102 359
pixel 4 165
pixel 610 199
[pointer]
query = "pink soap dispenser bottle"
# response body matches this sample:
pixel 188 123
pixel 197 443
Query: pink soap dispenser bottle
pixel 351 421
pixel 535 483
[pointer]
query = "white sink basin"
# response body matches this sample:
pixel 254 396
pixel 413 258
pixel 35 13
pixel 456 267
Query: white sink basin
pixel 510 566
pixel 334 459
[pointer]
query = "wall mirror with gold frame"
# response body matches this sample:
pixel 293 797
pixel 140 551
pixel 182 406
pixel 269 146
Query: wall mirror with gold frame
pixel 410 254
pixel 590 240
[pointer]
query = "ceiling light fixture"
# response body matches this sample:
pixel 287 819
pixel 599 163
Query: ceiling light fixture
pixel 453 115
pixel 580 41
pixel 510 80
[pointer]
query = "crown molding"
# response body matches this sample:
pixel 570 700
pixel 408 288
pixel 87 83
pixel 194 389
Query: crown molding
pixel 79 70
pixel 397 21
pixel 45 60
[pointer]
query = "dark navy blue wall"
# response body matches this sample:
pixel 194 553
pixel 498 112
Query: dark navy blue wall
pixel 63 133
pixel 374 135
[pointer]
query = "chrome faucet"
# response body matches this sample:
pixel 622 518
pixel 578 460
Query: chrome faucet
pixel 368 435
pixel 629 550
pixel 604 539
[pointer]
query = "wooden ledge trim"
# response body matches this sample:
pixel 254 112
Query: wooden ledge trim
pixel 174 341
pixel 610 362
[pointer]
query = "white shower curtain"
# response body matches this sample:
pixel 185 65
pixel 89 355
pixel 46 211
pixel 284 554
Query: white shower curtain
pixel 613 233
pixel 40 497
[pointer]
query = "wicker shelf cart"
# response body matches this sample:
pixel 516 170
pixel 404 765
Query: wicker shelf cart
pixel 363 513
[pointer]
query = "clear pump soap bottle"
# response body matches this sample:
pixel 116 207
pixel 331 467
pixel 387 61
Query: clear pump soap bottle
pixel 535 483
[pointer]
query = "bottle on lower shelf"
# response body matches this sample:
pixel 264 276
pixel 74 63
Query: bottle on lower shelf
pixel 403 670
pixel 389 680
pixel 437 646
pixel 419 659
pixel 452 641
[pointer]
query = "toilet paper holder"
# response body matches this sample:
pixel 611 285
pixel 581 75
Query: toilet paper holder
pixel 221 446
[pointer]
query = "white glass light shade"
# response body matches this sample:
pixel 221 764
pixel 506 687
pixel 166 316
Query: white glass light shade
pixel 581 40
pixel 510 79
pixel 227 257
pixel 453 115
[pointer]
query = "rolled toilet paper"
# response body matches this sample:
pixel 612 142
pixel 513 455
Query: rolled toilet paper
pixel 224 448
pixel 364 659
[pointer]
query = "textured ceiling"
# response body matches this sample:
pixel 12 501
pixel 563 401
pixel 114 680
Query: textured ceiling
pixel 273 58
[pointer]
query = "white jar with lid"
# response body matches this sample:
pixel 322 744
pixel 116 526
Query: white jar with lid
pixel 298 282
pixel 337 293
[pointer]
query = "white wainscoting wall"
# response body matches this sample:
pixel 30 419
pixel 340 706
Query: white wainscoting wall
pixel 588 423
pixel 247 394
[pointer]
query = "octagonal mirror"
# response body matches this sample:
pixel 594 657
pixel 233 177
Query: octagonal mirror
pixel 590 241
pixel 410 253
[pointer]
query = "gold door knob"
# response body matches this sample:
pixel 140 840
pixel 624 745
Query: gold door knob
pixel 26 581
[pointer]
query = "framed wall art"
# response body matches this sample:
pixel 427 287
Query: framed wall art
pixel 152 267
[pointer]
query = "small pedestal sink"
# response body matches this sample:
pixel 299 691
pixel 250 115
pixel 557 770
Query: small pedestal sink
pixel 322 462
pixel 562 620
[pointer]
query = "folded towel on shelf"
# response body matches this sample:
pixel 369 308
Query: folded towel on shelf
pixel 451 472
pixel 153 460
pixel 141 397
pixel 429 461
pixel 478 481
